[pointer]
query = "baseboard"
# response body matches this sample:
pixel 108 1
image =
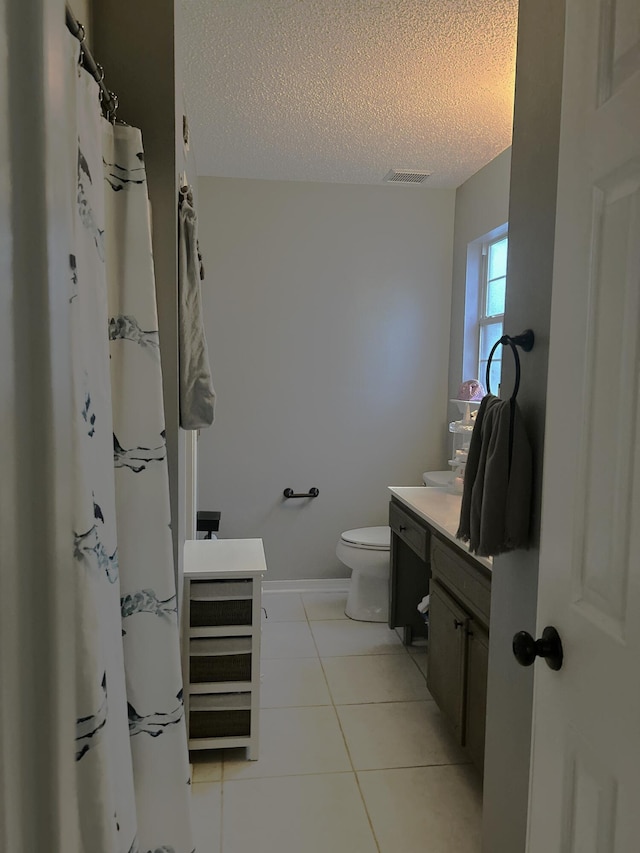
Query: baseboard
pixel 308 585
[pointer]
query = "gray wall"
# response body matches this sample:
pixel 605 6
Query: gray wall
pixel 327 314
pixel 482 204
pixel 531 239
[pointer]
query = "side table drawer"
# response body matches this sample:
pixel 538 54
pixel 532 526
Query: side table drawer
pixel 414 534
pixel 221 590
pixel 205 612
pixel 220 715
pixel 209 724
pixel 227 668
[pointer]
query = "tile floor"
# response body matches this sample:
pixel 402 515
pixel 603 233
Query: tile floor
pixel 354 754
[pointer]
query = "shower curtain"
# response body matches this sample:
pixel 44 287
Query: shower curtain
pixel 133 784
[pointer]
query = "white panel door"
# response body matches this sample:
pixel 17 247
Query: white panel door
pixel 585 785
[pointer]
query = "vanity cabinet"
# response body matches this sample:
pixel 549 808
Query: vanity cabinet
pixel 459 615
pixel 410 572
pixel 424 561
pixel 476 693
pixel 447 668
pixel 221 642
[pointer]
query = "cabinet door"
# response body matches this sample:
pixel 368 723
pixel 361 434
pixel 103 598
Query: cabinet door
pixel 478 656
pixel 410 572
pixel 447 661
pixel 408 584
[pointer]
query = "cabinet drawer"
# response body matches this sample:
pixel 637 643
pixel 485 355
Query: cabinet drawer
pixel 410 531
pixel 206 724
pixel 212 646
pixel 207 612
pixel 220 590
pixel 220 701
pixel 463 579
pixel 219 668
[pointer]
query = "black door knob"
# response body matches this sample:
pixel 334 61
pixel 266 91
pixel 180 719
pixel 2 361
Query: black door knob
pixel 549 647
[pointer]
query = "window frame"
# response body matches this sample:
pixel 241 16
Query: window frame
pixel 484 319
pixel 475 296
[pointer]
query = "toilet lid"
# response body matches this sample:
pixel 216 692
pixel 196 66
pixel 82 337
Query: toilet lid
pixel 376 538
pixel 437 478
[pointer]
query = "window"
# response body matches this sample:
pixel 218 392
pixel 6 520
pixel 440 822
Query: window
pixel 491 311
pixel 486 278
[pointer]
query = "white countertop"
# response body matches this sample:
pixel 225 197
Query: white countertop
pixel 226 556
pixel 440 509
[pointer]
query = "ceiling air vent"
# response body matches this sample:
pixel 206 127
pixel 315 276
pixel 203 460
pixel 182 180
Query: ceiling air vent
pixel 406 176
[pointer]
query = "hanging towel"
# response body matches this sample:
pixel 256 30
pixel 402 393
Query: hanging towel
pixel 197 397
pixel 496 498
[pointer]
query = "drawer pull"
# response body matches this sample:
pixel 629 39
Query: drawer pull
pixel 457 624
pixel 401 527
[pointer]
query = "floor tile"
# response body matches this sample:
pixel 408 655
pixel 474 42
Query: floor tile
pixel 434 809
pixel 374 678
pixel 325 605
pixel 338 638
pixel 283 607
pixel 398 734
pixel 206 815
pixel 206 765
pixel 293 683
pixel 287 640
pixel 419 656
pixel 296 814
pixel 293 741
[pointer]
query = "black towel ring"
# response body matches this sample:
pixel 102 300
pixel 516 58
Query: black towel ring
pixel 525 342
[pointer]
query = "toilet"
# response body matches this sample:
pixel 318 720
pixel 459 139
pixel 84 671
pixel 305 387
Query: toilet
pixel 437 478
pixel 366 551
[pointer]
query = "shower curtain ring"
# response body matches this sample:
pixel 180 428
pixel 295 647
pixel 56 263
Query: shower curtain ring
pixel 111 113
pixel 81 35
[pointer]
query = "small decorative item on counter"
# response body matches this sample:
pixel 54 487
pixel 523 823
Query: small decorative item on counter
pixel 462 430
pixel 471 389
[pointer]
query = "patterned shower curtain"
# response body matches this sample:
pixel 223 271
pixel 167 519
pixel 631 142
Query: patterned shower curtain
pixel 131 753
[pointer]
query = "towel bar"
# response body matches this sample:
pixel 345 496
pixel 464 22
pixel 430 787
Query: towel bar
pixel 525 341
pixel 312 493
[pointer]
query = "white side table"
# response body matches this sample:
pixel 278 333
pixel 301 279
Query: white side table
pixel 221 642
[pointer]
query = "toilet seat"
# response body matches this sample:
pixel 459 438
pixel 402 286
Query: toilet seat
pixel 368 538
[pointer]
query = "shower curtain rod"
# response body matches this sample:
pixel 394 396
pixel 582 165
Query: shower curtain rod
pixel 108 99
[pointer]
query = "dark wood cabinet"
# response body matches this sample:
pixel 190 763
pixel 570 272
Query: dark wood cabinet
pixel 447 667
pixel 459 643
pixel 410 571
pixel 423 561
pixel 476 698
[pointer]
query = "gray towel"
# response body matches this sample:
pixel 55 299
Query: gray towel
pixel 496 498
pixel 197 396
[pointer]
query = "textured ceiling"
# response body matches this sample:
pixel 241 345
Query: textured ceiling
pixel 344 90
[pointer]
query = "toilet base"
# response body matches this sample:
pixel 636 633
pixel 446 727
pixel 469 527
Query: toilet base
pixel 368 599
